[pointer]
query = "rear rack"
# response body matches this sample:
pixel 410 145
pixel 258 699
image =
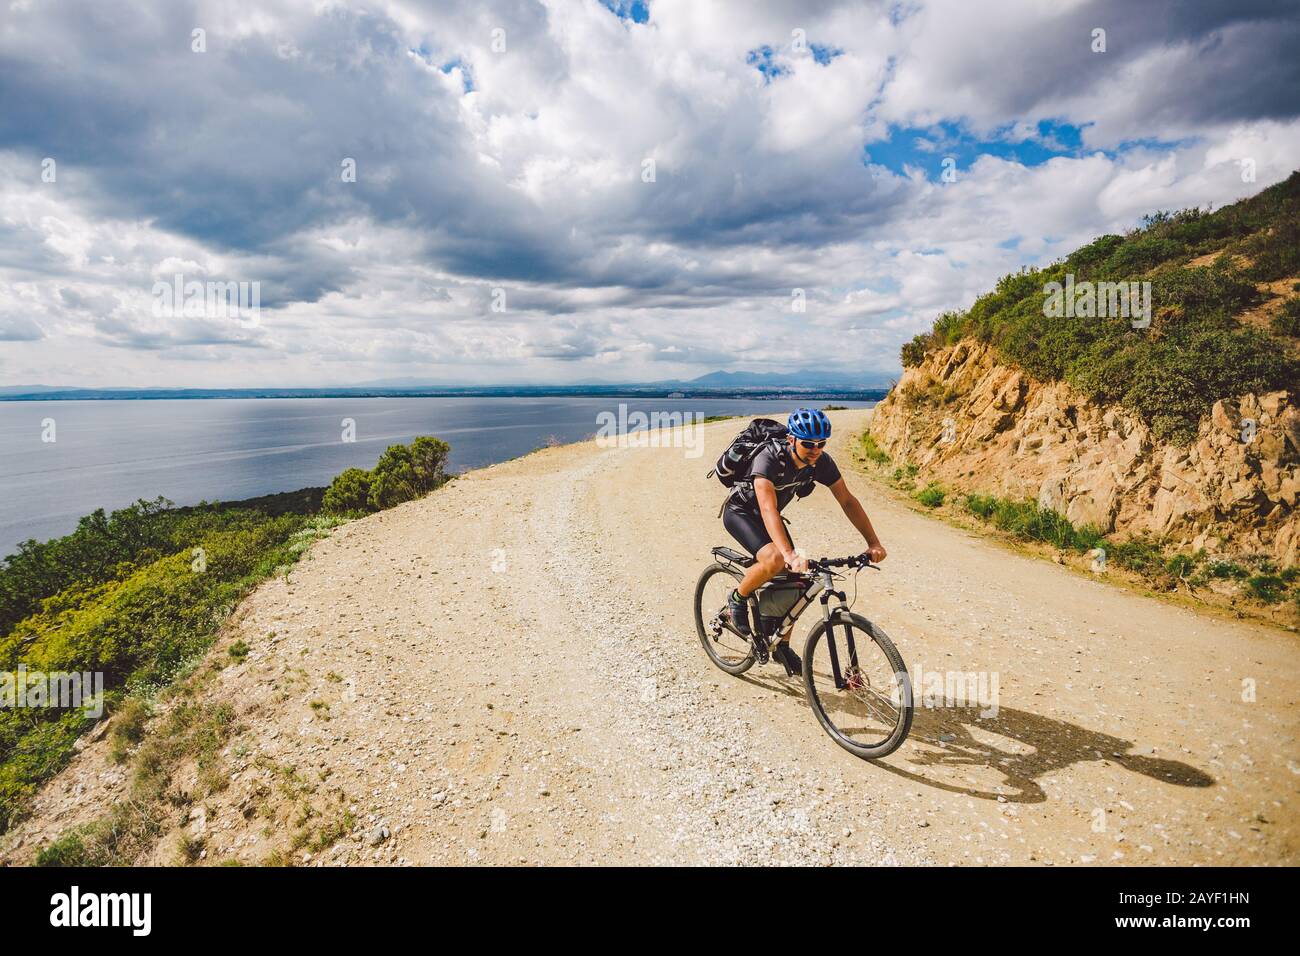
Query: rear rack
pixel 729 556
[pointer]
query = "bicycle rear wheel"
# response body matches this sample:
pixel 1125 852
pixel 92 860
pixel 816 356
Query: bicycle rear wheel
pixel 726 648
pixel 858 686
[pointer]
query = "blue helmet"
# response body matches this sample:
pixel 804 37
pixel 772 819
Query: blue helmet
pixel 808 423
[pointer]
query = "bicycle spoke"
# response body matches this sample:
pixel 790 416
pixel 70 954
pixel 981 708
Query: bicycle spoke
pixel 722 642
pixel 850 675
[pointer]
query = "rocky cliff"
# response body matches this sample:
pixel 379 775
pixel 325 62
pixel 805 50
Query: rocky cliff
pixel 980 426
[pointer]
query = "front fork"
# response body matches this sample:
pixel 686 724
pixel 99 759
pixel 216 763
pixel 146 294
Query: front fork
pixel 850 678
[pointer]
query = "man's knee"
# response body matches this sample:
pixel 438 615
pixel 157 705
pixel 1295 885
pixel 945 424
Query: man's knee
pixel 771 560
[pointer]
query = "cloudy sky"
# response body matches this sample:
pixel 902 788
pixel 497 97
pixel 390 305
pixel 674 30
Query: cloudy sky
pixel 573 190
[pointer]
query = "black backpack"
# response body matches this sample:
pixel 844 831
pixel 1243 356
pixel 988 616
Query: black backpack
pixel 734 463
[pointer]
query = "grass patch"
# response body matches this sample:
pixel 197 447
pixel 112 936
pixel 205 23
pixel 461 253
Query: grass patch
pixel 128 729
pixel 1032 522
pixel 871 450
pixel 189 732
pixel 931 495
pixel 1148 558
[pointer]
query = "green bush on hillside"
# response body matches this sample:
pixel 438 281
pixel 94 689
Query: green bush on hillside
pixel 913 352
pixel 872 451
pixel 403 473
pixel 139 632
pixel 407 472
pixel 1276 252
pixel 1287 320
pixel 140 594
pixel 1193 354
pixel 348 493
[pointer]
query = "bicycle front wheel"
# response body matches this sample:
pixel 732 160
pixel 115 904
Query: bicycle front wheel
pixel 858 686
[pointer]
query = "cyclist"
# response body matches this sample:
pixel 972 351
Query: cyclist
pixel 752 514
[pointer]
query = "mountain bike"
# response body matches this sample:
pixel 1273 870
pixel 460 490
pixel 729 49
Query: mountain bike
pixel 854 677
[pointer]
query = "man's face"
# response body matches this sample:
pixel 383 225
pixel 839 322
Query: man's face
pixel 808 454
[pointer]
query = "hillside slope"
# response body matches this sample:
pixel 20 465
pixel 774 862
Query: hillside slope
pixel 982 426
pixel 507 671
pixel 1167 419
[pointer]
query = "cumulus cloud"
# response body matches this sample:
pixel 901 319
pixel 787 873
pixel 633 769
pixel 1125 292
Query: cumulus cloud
pixel 554 191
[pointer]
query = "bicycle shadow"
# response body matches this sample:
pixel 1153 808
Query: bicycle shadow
pixel 1027 747
pixel 1018 745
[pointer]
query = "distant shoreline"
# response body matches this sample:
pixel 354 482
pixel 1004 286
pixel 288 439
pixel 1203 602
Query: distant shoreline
pixel 752 393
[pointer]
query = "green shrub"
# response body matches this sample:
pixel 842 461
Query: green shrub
pixel 1276 252
pixel 1171 382
pixel 1083 262
pixel 1141 555
pixel 1269 588
pixel 949 327
pixel 902 476
pixel 348 493
pixel 1216 290
pixel 1287 320
pixel 67 850
pixel 1140 253
pixel 126 596
pixel 106 548
pixel 1228 570
pixel 914 351
pixel 127 728
pixel 1182 565
pixel 931 495
pixel 139 632
pixel 407 472
pixel 1031 521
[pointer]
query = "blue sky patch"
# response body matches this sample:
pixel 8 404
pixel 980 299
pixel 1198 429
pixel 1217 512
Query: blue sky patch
pixel 927 148
pixel 824 54
pixel 763 60
pixel 635 10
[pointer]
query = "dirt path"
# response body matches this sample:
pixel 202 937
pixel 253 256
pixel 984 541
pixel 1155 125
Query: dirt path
pixel 511 674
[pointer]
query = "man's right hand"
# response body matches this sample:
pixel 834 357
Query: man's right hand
pixel 796 562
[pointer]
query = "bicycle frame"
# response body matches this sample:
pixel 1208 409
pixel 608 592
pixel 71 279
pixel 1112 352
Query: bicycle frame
pixel 820 583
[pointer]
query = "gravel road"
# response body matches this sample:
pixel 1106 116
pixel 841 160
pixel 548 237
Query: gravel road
pixel 511 675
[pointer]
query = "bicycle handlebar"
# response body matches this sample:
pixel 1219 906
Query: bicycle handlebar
pixel 855 561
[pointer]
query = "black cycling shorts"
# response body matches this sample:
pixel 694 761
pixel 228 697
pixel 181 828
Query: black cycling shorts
pixel 748 529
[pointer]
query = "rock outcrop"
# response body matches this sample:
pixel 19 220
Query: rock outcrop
pixel 977 425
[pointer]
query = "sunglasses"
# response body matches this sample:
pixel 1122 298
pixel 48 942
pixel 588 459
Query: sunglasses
pixel 812 444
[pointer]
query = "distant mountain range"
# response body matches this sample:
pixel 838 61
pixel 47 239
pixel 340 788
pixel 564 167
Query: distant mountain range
pixel 715 384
